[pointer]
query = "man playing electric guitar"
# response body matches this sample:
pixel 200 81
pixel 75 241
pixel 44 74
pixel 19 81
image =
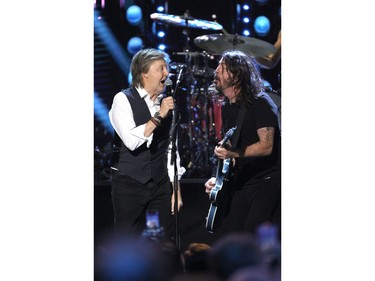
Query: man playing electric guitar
pixel 255 195
pixel 221 173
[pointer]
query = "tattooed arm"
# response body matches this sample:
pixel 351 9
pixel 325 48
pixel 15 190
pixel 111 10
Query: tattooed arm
pixel 265 144
pixel 261 148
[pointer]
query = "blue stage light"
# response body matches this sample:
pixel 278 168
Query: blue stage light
pixel 130 78
pixel 262 25
pixel 266 84
pixel 160 9
pixel 101 112
pixel 161 47
pixel 246 20
pixel 134 14
pixel 135 44
pixel 161 34
pixel 246 7
pixel 261 2
pixel 154 28
pixel 246 32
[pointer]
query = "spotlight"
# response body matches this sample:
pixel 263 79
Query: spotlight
pixel 134 14
pixel 134 45
pixel 161 34
pixel 262 25
pixel 246 20
pixel 160 9
pixel 161 47
pixel 246 32
pixel 246 7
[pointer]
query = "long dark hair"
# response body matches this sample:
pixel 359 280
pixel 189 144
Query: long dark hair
pixel 245 75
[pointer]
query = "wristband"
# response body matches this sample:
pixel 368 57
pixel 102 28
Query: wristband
pixel 158 117
pixel 155 121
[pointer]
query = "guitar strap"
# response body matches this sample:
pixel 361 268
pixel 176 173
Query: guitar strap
pixel 239 122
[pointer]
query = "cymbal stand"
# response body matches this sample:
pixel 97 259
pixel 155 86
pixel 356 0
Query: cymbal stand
pixel 200 123
pixel 205 95
pixel 190 81
pixel 207 111
pixel 186 31
pixel 235 41
pixel 173 138
pixel 190 88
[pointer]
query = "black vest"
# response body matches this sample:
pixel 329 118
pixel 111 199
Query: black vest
pixel 144 163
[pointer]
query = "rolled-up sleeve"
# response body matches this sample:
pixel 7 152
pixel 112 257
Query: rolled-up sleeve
pixel 122 120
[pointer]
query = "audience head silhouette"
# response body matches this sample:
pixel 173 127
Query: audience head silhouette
pixel 197 257
pixel 129 259
pixel 235 251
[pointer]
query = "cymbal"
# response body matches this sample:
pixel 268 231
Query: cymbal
pixel 189 54
pixel 186 21
pixel 203 54
pixel 218 43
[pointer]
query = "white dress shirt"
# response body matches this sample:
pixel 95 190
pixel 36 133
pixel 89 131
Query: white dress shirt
pixel 121 117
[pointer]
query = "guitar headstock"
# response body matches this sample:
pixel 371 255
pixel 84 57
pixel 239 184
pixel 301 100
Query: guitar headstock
pixel 228 134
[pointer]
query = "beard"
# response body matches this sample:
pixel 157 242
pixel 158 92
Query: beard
pixel 222 86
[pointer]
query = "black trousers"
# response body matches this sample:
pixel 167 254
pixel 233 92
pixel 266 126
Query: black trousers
pixel 131 199
pixel 256 203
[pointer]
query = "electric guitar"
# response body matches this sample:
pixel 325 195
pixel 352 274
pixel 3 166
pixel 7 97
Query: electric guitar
pixel 221 172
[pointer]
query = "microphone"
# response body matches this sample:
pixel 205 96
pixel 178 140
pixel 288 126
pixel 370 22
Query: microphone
pixel 212 89
pixel 168 87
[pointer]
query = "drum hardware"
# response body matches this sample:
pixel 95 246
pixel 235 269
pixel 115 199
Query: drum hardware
pixel 174 68
pixel 194 67
pixel 187 53
pixel 204 101
pixel 195 141
pixel 196 54
pixel 218 43
pixel 197 135
pixel 186 21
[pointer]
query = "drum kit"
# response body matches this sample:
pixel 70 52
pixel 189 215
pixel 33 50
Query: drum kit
pixel 198 102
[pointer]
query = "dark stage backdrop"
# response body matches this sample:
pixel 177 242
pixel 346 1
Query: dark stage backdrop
pixel 199 110
pixel 199 126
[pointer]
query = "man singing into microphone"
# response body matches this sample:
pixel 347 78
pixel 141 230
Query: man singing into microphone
pixel 141 119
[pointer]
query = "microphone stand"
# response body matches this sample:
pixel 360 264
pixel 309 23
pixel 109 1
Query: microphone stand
pixel 173 133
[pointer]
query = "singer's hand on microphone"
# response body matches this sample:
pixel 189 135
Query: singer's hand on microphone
pixel 167 104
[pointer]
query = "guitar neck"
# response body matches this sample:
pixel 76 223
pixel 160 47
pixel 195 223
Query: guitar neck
pixel 219 167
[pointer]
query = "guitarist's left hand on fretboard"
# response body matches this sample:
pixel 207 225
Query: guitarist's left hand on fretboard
pixel 221 171
pixel 223 153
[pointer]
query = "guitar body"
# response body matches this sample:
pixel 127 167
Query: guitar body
pixel 218 208
pixel 219 196
pixel 215 191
